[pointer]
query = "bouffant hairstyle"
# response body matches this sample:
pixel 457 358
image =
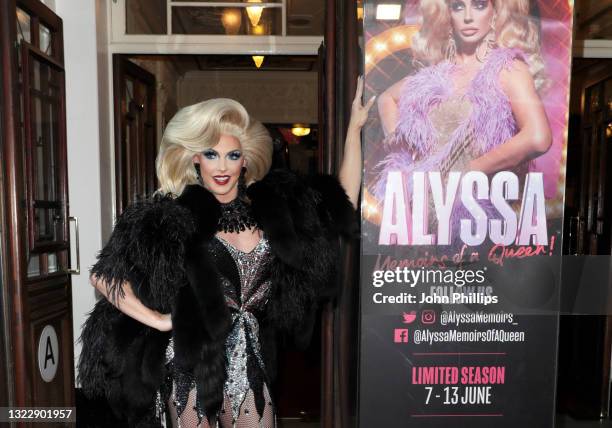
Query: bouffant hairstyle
pixel 198 127
pixel 514 28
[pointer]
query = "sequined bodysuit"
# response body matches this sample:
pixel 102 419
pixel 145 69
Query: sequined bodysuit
pixel 246 285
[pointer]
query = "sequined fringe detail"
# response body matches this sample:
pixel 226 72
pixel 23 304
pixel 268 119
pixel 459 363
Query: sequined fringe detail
pixel 159 407
pixel 178 386
pixel 238 383
pixel 246 368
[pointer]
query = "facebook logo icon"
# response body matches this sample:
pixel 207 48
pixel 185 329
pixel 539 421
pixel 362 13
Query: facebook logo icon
pixel 400 335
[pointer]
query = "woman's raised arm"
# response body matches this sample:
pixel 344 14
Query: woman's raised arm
pixel 130 305
pixel 350 170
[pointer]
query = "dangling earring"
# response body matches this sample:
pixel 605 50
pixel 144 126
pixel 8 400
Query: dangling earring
pixel 242 183
pixel 451 48
pixel 198 174
pixel 488 43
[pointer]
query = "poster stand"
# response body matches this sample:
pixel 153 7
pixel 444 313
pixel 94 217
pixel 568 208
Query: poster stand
pixel 462 211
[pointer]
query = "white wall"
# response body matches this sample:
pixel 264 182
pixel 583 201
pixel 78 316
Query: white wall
pixel 107 164
pixel 50 4
pixel 83 126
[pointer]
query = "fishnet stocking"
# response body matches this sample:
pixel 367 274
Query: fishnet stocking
pixel 248 417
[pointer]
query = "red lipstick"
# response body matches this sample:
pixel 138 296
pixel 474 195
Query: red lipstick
pixel 221 180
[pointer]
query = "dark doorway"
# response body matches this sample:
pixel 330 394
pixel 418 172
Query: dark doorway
pixel 586 339
pixel 135 135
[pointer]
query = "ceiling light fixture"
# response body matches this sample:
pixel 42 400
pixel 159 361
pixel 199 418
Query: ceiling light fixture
pixel 258 60
pixel 231 20
pixel 388 12
pixel 258 30
pixel 300 130
pixel 254 12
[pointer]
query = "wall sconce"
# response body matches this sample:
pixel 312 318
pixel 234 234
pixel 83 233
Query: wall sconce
pixel 231 20
pixel 300 130
pixel 254 12
pixel 388 12
pixel 258 60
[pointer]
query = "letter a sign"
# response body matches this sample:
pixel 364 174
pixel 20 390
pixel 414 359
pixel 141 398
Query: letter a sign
pixel 48 353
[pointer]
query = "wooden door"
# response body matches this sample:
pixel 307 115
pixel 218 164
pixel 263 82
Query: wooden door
pixel 4 375
pixel 35 201
pixel 135 139
pixel 326 112
pixel 595 215
pixel 586 340
pixel 339 69
pixel 595 211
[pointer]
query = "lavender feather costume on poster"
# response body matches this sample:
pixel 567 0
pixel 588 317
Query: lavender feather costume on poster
pixel 429 195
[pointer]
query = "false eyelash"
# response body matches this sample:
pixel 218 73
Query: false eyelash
pixel 235 155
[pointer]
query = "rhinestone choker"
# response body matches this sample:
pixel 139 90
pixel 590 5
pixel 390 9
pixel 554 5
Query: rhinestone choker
pixel 236 216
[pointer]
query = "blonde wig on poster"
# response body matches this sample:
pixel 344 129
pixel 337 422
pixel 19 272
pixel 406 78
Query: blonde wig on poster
pixel 514 28
pixel 198 127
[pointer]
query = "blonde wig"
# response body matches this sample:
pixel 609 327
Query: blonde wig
pixel 198 127
pixel 514 28
pixel 257 150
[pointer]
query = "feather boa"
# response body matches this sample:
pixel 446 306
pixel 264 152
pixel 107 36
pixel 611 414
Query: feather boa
pixel 160 247
pixel 490 123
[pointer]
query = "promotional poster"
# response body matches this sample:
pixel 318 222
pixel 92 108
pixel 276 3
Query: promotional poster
pixel 462 212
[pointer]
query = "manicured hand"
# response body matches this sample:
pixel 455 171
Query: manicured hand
pixel 359 111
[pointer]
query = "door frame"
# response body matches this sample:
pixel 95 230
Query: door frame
pixel 123 67
pixel 19 291
pixel 6 391
pixel 588 219
pixel 13 221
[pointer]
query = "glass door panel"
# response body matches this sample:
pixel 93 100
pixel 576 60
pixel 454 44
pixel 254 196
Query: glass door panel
pixel 43 94
pixel 23 26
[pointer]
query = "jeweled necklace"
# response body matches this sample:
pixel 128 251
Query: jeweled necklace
pixel 236 216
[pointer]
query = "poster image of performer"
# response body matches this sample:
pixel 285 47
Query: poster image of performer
pixel 462 211
pixel 467 86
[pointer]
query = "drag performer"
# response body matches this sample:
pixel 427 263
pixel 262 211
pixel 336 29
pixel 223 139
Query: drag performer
pixel 200 279
pixel 473 105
